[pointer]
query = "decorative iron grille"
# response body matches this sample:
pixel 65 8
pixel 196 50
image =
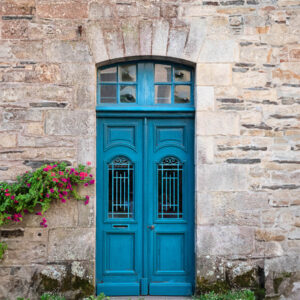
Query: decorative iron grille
pixel 120 196
pixel 169 179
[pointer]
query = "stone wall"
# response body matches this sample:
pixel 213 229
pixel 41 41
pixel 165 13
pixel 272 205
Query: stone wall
pixel 247 57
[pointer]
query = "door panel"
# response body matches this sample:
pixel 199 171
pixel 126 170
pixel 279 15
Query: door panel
pixel 145 206
pixel 171 206
pixel 119 220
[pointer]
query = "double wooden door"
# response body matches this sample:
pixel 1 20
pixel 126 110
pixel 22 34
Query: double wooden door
pixel 145 206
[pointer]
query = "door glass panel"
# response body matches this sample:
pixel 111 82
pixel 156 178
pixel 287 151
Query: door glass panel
pixel 120 195
pixel 108 75
pixel 127 73
pixel 127 94
pixel 108 93
pixel 182 94
pixel 169 182
pixel 162 73
pixel 182 75
pixel 162 94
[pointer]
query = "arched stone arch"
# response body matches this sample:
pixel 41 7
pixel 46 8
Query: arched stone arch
pixel 137 38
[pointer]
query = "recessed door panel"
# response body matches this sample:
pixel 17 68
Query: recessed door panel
pixel 145 206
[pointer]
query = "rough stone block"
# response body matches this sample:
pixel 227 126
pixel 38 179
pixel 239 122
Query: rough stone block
pixel 214 74
pixel 97 42
pixel 145 37
pixel 195 39
pixel 71 244
pixel 8 140
pixel 224 240
pixel 67 51
pixel 222 177
pixel 14 29
pixel 64 10
pixel 205 150
pixel 223 51
pixel 131 37
pixel 205 98
pixel 160 37
pixel 114 42
pixel 217 123
pixel 73 123
pixel 100 10
pixel 177 41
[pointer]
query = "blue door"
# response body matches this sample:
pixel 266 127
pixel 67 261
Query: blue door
pixel 145 205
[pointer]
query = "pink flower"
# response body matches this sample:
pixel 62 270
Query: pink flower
pixel 47 195
pixel 87 198
pixel 91 175
pixel 16 201
pixel 7 194
pixel 38 213
pixel 52 190
pixel 86 184
pixel 49 167
pixel 26 211
pixel 45 225
pixel 45 169
pixel 88 163
pixel 52 174
pixel 92 181
pixel 83 174
pixel 8 218
pixel 12 197
pixel 28 184
pixel 6 190
pixel 61 173
pixel 86 202
pixel 64 180
pixel 63 200
pixel 55 179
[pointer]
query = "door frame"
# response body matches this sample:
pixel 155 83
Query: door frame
pixel 139 112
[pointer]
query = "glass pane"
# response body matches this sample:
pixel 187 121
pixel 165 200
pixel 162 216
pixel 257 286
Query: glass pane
pixel 162 94
pixel 182 94
pixel 127 94
pixel 182 75
pixel 120 195
pixel 169 196
pixel 162 73
pixel 108 75
pixel 127 73
pixel 108 93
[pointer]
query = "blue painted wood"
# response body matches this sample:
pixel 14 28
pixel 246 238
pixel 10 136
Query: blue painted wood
pixel 128 250
pixel 145 79
pixel 145 252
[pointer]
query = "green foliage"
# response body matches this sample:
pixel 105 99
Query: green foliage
pixel 99 297
pixel 232 295
pixel 34 192
pixel 39 188
pixel 52 297
pixel 3 247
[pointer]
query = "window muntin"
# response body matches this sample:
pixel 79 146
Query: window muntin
pixel 121 186
pixel 169 188
pixel 121 81
pixel 161 84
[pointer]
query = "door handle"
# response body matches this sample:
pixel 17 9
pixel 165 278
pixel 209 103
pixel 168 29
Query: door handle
pixel 151 227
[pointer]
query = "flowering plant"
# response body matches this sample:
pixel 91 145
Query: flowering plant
pixel 37 189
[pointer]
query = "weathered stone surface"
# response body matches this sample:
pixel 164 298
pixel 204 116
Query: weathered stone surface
pixel 8 140
pixel 71 244
pixel 214 74
pixel 160 37
pixel 219 51
pixel 209 123
pixel 218 240
pixel 205 98
pixel 73 123
pixel 65 10
pixel 222 177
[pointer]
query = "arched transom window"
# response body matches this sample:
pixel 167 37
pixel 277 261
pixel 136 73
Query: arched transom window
pixel 145 83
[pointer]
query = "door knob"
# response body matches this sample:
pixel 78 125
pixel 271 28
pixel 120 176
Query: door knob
pixel 151 227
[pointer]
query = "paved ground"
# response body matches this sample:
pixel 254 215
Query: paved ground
pixel 150 298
